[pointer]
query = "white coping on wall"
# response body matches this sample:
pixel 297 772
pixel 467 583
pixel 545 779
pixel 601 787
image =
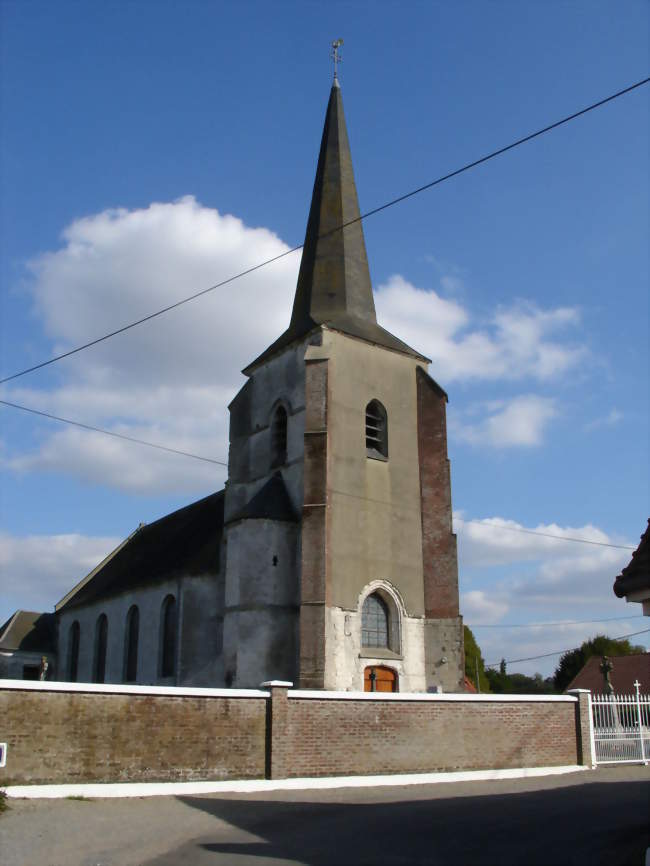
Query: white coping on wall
pixel 252 786
pixel 182 691
pixel 118 689
pixel 434 697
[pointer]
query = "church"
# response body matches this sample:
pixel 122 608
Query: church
pixel 328 560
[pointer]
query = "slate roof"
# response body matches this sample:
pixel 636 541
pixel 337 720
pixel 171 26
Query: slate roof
pixel 636 575
pixel 625 670
pixel 271 502
pixel 185 542
pixel 29 631
pixel 334 287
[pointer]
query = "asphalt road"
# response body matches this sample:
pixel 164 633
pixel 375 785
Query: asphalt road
pixel 588 818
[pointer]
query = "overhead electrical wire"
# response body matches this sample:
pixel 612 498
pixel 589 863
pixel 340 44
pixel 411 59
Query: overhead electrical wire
pixel 363 216
pixel 178 451
pixel 543 534
pixel 110 433
pixel 551 624
pixel 560 652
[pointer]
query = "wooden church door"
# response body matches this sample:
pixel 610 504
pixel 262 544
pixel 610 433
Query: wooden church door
pixel 379 679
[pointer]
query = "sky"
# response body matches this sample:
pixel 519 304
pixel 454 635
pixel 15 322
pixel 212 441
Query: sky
pixel 151 149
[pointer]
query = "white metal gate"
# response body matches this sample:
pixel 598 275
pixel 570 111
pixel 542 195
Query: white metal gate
pixel 621 728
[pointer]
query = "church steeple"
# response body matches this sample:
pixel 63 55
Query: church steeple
pixel 334 278
pixel 334 287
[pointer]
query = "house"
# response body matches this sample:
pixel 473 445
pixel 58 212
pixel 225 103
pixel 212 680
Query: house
pixel 329 558
pixel 625 671
pixel 28 646
pixel 633 583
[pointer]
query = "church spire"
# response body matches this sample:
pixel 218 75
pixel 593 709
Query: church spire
pixel 334 278
pixel 334 287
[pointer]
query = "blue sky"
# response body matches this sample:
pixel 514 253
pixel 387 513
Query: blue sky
pixel 151 149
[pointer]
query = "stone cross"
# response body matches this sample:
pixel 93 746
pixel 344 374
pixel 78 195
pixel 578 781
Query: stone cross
pixel 606 667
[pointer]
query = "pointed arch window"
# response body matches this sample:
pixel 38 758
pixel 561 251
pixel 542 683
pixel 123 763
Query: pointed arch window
pixel 279 437
pixel 375 622
pixel 73 651
pixel 376 431
pixel 168 637
pixel 101 641
pixel 131 644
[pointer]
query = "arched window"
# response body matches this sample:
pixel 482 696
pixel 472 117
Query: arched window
pixel 279 437
pixel 375 622
pixel 376 431
pixel 131 645
pixel 101 640
pixel 74 637
pixel 168 637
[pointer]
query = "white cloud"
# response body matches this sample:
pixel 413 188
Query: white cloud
pixel 519 422
pixel 510 573
pixel 514 344
pixel 168 381
pixel 37 570
pixel 612 419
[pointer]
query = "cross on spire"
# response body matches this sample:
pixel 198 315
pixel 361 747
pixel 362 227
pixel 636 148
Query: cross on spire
pixel 334 54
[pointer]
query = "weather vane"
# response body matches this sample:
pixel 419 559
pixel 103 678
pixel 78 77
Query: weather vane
pixel 334 54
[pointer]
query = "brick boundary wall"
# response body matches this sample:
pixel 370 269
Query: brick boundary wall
pixel 73 733
pixel 61 733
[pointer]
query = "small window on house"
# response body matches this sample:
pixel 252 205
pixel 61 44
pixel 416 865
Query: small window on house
pixel 131 645
pixel 376 431
pixel 168 637
pixel 375 622
pixel 101 640
pixel 279 437
pixel 73 651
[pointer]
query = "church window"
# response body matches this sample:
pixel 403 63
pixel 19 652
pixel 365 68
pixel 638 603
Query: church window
pixel 376 431
pixel 375 619
pixel 168 637
pixel 131 645
pixel 73 651
pixel 101 640
pixel 279 437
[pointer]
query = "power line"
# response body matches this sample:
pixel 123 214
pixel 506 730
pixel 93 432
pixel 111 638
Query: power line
pixel 560 652
pixel 137 441
pixel 559 623
pixel 110 433
pixel 363 216
pixel 544 534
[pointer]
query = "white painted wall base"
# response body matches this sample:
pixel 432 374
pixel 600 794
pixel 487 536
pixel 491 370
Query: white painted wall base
pixel 250 786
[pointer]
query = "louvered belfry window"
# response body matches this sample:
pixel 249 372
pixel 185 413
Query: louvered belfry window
pixel 376 430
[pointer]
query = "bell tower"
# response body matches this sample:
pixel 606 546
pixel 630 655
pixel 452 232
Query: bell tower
pixel 341 569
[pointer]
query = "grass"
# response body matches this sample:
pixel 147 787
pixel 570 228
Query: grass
pixel 3 802
pixel 80 798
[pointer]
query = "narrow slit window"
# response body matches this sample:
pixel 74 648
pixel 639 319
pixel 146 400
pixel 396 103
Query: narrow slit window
pixel 73 652
pixel 376 430
pixel 101 640
pixel 279 437
pixel 131 648
pixel 168 637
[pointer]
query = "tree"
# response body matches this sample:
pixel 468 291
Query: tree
pixel 574 660
pixel 518 684
pixel 472 657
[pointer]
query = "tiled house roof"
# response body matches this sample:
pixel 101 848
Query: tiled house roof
pixel 625 670
pixel 636 575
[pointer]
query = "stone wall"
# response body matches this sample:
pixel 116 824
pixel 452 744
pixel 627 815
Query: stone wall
pixel 60 733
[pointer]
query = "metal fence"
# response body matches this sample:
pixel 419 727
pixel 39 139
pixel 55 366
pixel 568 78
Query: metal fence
pixel 621 728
